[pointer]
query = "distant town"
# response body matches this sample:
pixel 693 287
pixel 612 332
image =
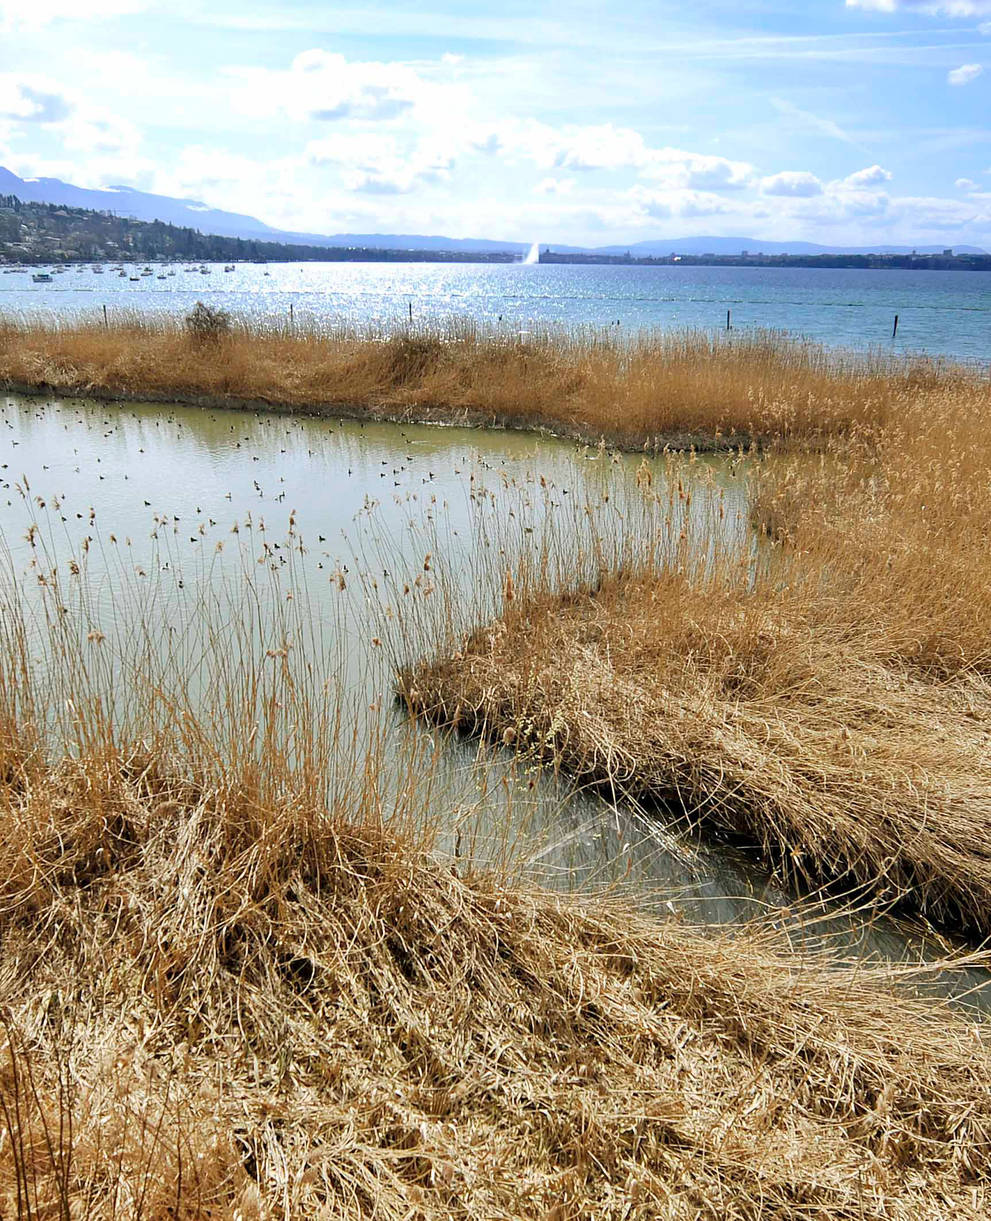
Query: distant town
pixel 946 261
pixel 33 234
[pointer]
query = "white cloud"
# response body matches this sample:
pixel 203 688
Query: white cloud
pixel 931 8
pixel 599 147
pixel 698 171
pixel 33 14
pixel 555 186
pixel 798 184
pixel 32 99
pixel 677 203
pixel 327 86
pixel 604 147
pixel 378 163
pixel 872 176
pixel 323 86
pixel 967 184
pixel 964 74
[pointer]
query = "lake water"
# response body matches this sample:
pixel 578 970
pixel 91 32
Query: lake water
pixel 941 313
pixel 158 493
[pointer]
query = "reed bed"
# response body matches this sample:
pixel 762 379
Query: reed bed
pixel 824 697
pixel 238 980
pixel 657 389
pixel 219 1007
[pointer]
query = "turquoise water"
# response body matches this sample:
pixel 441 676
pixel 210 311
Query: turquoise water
pixel 941 313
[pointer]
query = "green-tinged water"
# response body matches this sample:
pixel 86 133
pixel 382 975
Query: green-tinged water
pixel 359 547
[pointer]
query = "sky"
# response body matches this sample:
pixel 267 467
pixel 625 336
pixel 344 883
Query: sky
pixel 854 122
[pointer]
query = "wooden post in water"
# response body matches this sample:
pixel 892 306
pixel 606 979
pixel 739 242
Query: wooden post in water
pixel 728 327
pixel 894 329
pixel 292 320
pixel 105 321
pixel 411 311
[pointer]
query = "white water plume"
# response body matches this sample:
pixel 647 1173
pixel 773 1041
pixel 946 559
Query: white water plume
pixel 533 254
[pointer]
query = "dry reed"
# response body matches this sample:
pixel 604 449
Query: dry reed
pixel 827 699
pixel 231 988
pixel 220 1008
pixel 678 389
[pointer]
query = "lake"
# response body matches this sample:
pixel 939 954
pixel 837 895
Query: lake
pixel 941 313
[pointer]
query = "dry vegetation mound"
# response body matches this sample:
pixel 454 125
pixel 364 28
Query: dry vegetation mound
pixel 683 389
pixel 828 699
pixel 215 1007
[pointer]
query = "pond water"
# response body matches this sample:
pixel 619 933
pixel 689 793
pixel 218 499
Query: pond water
pixel 169 505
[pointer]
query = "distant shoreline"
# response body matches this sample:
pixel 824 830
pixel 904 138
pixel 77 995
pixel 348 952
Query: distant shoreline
pixel 348 254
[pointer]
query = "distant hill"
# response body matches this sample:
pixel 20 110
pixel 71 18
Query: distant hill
pixel 190 213
pixel 32 232
pixel 126 202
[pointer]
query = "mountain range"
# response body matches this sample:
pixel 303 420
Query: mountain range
pixel 141 205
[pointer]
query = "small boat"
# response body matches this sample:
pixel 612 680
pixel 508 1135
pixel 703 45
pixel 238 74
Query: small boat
pixel 204 271
pixel 98 271
pixel 135 279
pixel 229 267
pixel 121 273
pixel 41 277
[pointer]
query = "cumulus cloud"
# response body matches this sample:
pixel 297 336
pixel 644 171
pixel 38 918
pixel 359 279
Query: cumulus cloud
pixel 378 164
pixel 872 176
pixel 799 184
pixel 696 171
pixel 605 147
pixel 32 99
pixel 967 184
pixel 327 86
pixel 931 8
pixel 677 203
pixel 323 87
pixel 964 74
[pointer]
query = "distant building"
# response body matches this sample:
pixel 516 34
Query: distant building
pixel 949 253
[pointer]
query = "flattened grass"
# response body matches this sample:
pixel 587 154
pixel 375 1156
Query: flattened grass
pixel 219 1007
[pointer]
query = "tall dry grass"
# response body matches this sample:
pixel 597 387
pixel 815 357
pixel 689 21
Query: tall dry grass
pixel 679 389
pixel 824 697
pixel 237 981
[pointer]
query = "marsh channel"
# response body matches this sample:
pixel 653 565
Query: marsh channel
pixel 384 539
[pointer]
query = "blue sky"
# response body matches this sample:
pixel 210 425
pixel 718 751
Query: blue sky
pixel 839 121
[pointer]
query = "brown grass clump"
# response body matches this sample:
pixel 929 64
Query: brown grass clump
pixel 216 1008
pixel 828 700
pixel 680 389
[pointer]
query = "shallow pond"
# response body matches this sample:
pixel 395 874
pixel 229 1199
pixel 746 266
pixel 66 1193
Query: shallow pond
pixel 382 537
